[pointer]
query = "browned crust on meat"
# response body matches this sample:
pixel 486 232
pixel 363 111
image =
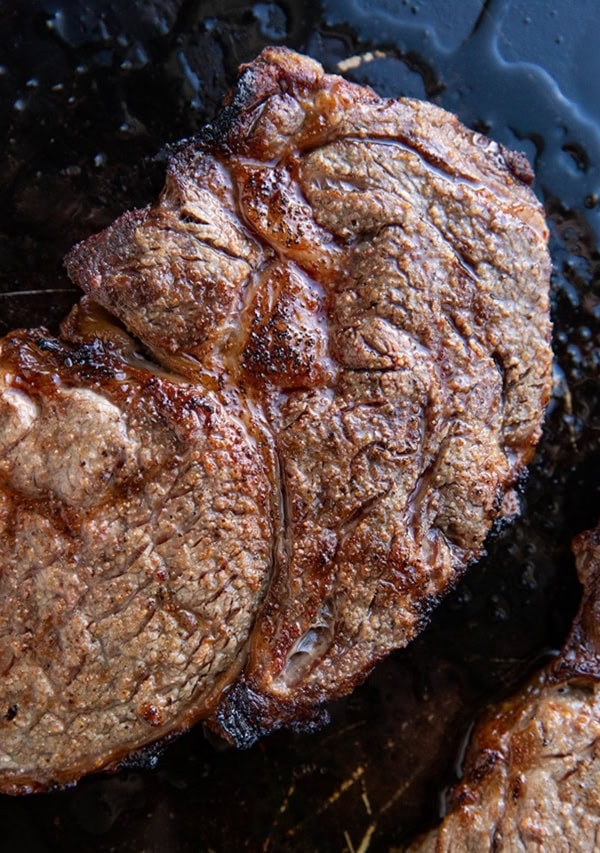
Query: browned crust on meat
pixel 580 657
pixel 136 518
pixel 531 777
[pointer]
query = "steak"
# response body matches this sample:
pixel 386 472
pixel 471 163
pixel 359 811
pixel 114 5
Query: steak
pixel 357 290
pixel 135 517
pixel 532 772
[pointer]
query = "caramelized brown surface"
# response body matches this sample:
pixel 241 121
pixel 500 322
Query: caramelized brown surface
pixel 135 517
pixel 532 771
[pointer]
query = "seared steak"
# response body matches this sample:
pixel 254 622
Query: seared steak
pixel 374 278
pixel 135 520
pixel 358 290
pixel 532 772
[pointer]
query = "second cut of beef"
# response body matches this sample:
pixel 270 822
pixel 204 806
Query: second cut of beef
pixel 360 286
pixel 532 770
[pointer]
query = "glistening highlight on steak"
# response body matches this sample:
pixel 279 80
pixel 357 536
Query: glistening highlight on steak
pixel 299 391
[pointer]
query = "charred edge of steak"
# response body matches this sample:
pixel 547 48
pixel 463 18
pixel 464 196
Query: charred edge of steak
pixel 518 165
pixel 145 758
pixel 245 716
pixel 257 82
pixel 89 360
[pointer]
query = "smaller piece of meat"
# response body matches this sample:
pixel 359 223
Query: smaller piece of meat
pixel 532 770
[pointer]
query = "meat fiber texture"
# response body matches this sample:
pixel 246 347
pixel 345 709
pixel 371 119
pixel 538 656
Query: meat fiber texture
pixel 342 362
pixel 532 771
